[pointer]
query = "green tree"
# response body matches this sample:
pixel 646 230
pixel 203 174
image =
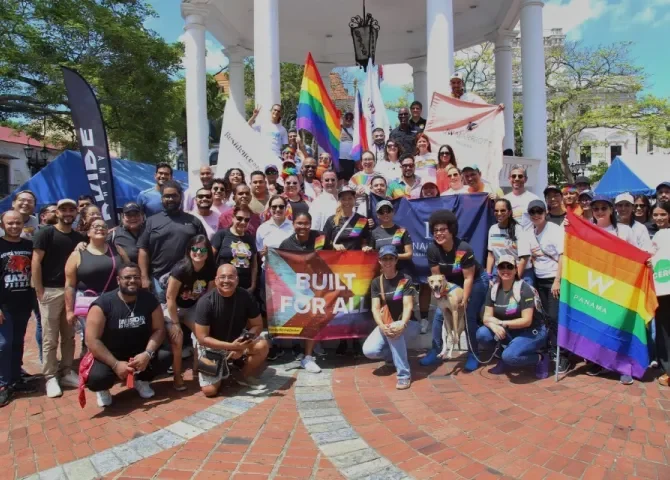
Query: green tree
pixel 404 100
pixel 129 67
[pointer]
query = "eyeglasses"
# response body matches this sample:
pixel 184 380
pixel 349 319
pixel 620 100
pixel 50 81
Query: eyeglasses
pixel 277 207
pixel 408 166
pixel 272 172
pixel 454 175
pixel 390 145
pixel 639 207
pixel 289 184
pixel 536 211
pixel 199 250
pixel 440 230
pixel 312 167
pixel 442 154
pixel 226 277
pixel 599 209
pixel 200 197
pixel 218 189
pixel 128 278
pixel 242 219
pixel 517 177
pixel 505 266
pixel 385 211
pixel 98 227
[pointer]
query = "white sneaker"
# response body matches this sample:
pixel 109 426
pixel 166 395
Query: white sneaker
pixel 424 325
pixel 104 398
pixel 144 389
pixel 53 389
pixel 250 382
pixel 70 379
pixel 310 365
pixel 186 352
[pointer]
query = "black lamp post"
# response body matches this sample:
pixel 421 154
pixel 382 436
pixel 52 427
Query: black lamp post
pixel 37 159
pixel 364 32
pixel 577 169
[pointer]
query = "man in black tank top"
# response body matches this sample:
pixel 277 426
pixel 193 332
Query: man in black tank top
pixel 124 331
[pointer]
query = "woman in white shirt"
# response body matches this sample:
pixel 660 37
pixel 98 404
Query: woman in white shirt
pixel 450 182
pixel 624 208
pixel 425 161
pixel 508 238
pixel 390 166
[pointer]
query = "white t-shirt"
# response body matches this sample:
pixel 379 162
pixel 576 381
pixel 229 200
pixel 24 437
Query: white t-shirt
pixel 545 249
pixel 275 133
pixel 390 170
pixel 451 191
pixel 624 232
pixel 269 234
pixel 321 208
pixel 520 207
pixel 500 244
pixel 642 238
pixel 346 143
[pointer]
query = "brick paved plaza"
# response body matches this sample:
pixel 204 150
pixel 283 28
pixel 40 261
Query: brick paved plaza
pixel 348 422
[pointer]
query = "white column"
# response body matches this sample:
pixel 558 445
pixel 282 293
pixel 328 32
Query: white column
pixel 419 82
pixel 197 126
pixel 266 54
pixel 236 57
pixel 440 46
pixel 504 84
pixel 534 93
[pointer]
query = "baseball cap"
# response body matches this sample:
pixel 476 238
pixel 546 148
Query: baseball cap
pixel 537 204
pixel 66 201
pixel 288 149
pixel 271 168
pixel 382 204
pixel 602 198
pixel 624 197
pixel 388 250
pixel 587 193
pixel 582 179
pixel 506 259
pixel 552 188
pixel 346 189
pixel 131 207
pixel 456 75
pixel 663 184
pixel 471 166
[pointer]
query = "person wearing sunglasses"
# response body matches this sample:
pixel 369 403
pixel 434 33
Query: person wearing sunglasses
pixel 272 175
pixel 204 212
pixel 450 181
pixel 206 180
pixel 409 185
pixel 556 210
pixel 519 197
pixel 219 196
pixel 389 166
pixel 510 321
pixel 325 204
pixel 189 280
pixel 235 245
pixel 508 238
pixel 446 157
pixel 623 203
pixel 298 201
pixel 546 242
pixel 642 212
pixel 310 185
pixel 242 196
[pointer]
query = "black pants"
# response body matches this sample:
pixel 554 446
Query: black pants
pixel 663 332
pixel 550 306
pixel 102 377
pixel 347 169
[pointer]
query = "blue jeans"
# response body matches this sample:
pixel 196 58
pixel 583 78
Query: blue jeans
pixel 158 290
pixel 521 346
pixel 12 332
pixel 377 346
pixel 473 312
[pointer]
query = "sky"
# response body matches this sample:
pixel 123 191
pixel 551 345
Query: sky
pixel 593 22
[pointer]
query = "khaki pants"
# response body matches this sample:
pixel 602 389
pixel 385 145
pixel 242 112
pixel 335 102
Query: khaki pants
pixel 55 326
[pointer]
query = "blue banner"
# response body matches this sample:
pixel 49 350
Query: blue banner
pixel 474 214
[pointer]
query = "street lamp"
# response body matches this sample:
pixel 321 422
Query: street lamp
pixel 37 159
pixel 577 169
pixel 364 32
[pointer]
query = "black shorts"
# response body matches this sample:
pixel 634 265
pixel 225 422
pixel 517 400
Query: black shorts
pixel 347 169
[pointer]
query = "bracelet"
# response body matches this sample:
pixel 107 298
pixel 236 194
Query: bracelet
pixel 115 365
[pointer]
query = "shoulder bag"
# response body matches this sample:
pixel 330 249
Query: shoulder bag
pixel 83 303
pixel 384 312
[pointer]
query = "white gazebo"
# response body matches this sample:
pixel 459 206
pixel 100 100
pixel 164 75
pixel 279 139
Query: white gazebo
pixel 422 33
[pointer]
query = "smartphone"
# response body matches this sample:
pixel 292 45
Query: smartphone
pixel 246 336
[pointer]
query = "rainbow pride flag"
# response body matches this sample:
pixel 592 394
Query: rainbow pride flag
pixel 317 112
pixel 607 299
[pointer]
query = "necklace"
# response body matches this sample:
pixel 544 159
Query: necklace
pixel 130 311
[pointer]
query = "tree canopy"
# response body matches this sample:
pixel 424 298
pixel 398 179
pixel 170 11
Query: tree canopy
pixel 129 67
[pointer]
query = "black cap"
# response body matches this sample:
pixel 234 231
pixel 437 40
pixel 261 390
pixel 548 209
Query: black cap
pixel 551 188
pixel 582 179
pixel 663 184
pixel 346 189
pixel 131 207
pixel 537 204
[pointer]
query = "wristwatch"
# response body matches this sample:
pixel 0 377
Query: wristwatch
pixel 151 354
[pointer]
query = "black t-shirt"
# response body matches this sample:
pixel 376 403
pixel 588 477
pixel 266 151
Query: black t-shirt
pixel 15 258
pixel 396 236
pixel 127 326
pixel 298 207
pixel 57 248
pixel 557 219
pixel 193 285
pixel 506 306
pixel 315 241
pixel 226 317
pixel 353 234
pixel 121 237
pixel 238 251
pixel 405 138
pixel 165 238
pixel 395 290
pixel 452 263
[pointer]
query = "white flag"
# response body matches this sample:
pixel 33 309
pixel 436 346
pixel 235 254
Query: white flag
pixel 373 103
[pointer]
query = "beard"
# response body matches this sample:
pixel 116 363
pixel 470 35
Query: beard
pixel 129 291
pixel 171 207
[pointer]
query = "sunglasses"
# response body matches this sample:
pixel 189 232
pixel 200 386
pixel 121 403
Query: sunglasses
pixel 272 172
pixel 385 211
pixel 639 207
pixel 200 197
pixel 277 207
pixel 517 177
pixel 407 166
pixel 311 167
pixel 390 145
pixel 505 266
pixel 218 189
pixel 199 250
pixel 453 175
pixel 242 219
pixel 536 211
pixel 442 154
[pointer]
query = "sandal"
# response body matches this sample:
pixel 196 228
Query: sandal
pixel 180 388
pixel 664 380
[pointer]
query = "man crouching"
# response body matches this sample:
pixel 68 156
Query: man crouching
pixel 227 325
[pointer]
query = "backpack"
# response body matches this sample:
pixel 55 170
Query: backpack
pixel 539 313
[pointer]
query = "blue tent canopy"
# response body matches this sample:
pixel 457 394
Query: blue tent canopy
pixel 619 178
pixel 65 177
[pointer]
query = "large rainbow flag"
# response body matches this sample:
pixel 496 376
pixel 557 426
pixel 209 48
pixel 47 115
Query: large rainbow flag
pixel 317 112
pixel 607 299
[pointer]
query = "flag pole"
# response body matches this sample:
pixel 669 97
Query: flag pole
pixel 558 359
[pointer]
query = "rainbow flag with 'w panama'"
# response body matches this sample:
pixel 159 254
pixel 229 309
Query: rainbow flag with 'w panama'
pixel 317 112
pixel 607 299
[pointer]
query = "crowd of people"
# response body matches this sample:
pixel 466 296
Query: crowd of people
pixel 184 272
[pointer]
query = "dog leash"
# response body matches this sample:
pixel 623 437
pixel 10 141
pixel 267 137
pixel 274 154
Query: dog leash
pixel 467 339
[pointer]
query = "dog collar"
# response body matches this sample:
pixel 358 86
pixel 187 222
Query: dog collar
pixel 452 288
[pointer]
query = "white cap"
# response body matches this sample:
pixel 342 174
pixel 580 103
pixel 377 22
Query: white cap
pixel 624 197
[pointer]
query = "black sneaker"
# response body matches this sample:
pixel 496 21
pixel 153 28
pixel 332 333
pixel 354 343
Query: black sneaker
pixel 275 353
pixel 5 395
pixel 24 387
pixel 595 370
pixel 341 349
pixel 26 377
pixel 297 351
pixel 564 365
pixel 358 349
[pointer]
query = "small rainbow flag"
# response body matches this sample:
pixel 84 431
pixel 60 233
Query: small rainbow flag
pixel 397 295
pixel 319 242
pixel 397 236
pixel 317 112
pixel 358 227
pixel 607 299
pixel 361 178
